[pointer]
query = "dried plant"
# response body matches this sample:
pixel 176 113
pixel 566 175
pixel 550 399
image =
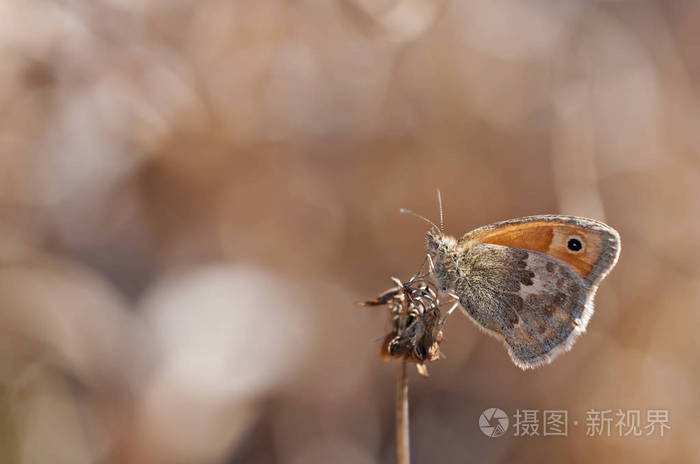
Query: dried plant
pixel 415 336
pixel 416 323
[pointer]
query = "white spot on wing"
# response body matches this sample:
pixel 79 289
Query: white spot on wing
pixel 540 282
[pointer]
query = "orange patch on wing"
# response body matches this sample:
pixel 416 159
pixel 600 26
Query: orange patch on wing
pixel 550 238
pixel 535 236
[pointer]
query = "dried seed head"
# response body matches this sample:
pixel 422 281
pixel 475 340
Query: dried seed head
pixel 416 325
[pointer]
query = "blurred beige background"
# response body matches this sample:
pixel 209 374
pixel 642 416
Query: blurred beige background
pixel 193 195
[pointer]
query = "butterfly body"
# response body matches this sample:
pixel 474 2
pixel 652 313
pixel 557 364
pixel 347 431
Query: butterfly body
pixel 528 281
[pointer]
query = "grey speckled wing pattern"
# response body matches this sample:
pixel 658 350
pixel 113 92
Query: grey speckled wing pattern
pixel 534 302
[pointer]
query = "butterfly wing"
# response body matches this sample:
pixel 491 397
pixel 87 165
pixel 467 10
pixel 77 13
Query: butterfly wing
pixel 556 236
pixel 536 304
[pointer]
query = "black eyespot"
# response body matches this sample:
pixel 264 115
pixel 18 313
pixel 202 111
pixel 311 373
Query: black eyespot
pixel 436 245
pixel 574 244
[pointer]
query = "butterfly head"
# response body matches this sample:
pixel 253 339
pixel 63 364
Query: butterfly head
pixel 442 251
pixel 437 243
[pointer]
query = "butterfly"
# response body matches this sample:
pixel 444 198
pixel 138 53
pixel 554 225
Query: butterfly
pixel 529 281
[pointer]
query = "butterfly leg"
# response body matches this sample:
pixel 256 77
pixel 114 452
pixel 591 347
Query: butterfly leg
pixel 455 299
pixel 431 265
pixel 420 274
pixel 452 308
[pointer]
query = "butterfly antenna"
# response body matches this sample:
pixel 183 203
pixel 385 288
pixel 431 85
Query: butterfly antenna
pixel 442 221
pixel 409 211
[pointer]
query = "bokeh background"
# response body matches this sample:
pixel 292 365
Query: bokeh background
pixel 193 196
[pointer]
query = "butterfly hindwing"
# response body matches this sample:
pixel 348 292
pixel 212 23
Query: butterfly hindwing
pixel 536 304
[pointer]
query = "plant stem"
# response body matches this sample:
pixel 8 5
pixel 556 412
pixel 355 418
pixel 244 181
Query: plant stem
pixel 403 451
